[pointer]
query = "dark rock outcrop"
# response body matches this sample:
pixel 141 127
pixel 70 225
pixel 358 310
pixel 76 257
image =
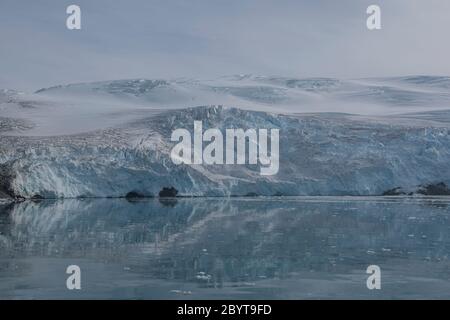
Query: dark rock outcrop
pixel 168 192
pixel 6 177
pixel 394 192
pixel 430 189
pixel 437 189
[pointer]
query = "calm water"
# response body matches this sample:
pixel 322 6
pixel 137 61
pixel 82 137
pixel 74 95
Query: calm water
pixel 239 248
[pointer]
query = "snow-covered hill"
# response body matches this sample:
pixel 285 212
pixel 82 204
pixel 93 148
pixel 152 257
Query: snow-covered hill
pixel 337 137
pixel 78 108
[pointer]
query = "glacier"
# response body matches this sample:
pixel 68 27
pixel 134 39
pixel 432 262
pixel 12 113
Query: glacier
pixel 337 137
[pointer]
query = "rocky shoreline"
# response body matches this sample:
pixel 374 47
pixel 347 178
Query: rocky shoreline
pixel 437 189
pixel 431 189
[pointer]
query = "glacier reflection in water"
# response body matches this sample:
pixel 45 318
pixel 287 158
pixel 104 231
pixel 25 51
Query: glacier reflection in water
pixel 252 248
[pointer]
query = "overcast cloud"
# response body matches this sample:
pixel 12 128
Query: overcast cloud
pixel 209 38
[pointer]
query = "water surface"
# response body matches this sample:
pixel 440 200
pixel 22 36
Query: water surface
pixel 253 248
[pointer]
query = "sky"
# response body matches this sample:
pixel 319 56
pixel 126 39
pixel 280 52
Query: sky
pixel 124 39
